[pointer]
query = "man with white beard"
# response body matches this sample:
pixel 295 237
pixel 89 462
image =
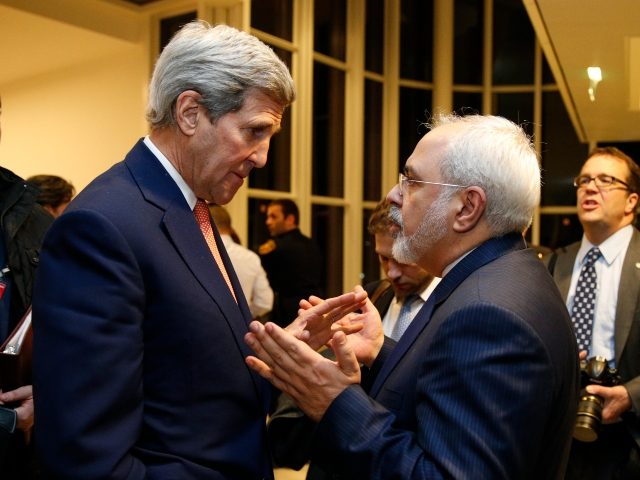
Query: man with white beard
pixel 483 384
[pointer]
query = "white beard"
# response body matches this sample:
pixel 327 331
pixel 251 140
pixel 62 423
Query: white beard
pixel 410 249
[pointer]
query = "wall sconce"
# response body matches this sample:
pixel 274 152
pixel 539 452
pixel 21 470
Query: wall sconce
pixel 595 76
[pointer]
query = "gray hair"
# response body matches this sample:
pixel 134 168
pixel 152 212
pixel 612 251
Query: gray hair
pixel 497 155
pixel 220 63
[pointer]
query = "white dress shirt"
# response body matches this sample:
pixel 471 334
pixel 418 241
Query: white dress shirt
pixel 391 317
pixel 608 271
pixel 252 277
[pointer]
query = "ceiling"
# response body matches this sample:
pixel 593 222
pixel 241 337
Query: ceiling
pixel 576 34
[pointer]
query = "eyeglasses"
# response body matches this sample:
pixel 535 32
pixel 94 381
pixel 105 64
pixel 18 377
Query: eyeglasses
pixel 601 181
pixel 403 181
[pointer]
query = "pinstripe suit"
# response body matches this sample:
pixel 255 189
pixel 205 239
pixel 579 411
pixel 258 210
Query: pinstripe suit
pixel 483 383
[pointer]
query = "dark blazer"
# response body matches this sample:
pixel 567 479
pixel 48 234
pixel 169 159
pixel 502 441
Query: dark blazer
pixel 295 269
pixel 138 350
pixel 627 325
pixel 483 383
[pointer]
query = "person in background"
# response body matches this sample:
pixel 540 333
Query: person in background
pixel 484 382
pixel 289 430
pixel 607 189
pixel 55 192
pixel 23 224
pixel 138 315
pixel 293 262
pixel 252 277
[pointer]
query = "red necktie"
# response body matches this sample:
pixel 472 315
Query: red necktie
pixel 201 212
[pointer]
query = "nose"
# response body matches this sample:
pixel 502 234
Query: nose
pixel 259 156
pixel 395 195
pixel 394 270
pixel 591 186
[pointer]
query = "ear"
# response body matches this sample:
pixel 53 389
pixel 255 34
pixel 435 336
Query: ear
pixel 469 209
pixel 290 220
pixel 188 111
pixel 631 204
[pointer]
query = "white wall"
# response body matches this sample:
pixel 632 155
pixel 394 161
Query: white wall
pixel 78 121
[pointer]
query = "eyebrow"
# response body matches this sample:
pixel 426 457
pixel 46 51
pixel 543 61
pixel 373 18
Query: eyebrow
pixel 275 128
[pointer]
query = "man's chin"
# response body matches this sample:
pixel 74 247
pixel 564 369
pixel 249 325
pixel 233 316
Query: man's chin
pixel 402 252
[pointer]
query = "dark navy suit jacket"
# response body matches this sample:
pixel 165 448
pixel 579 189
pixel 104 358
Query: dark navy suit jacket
pixel 483 384
pixel 138 343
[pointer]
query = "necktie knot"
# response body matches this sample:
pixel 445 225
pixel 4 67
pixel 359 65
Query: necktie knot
pixel 410 300
pixel 404 317
pixel 592 256
pixel 201 212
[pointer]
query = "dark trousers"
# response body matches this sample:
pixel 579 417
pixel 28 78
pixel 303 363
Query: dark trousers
pixel 615 456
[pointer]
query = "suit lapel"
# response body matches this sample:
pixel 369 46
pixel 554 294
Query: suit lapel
pixel 183 232
pixel 564 269
pixel 628 292
pixel 485 253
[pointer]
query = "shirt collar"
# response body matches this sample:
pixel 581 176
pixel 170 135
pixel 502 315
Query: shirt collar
pixel 613 246
pixel 189 196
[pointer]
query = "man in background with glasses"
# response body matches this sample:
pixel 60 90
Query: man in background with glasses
pixel 483 383
pixel 607 196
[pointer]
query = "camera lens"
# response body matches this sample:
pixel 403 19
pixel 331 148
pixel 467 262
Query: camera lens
pixel 588 418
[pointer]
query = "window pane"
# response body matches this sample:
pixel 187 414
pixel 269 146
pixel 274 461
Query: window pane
pixel 370 263
pixel 372 178
pixel 257 214
pixel 517 107
pixel 415 106
pixel 330 28
pixel 513 43
pixel 327 233
pixel 275 175
pixel 469 34
pixel 273 16
pixel 374 47
pixel 562 153
pixel 170 26
pixel 559 230
pixel 328 131
pixel 467 103
pixel 416 40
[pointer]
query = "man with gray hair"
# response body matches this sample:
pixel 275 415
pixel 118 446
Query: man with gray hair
pixel 138 314
pixel 483 383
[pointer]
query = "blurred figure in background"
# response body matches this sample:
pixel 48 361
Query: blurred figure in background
pixel 252 277
pixel 23 224
pixel 292 260
pixel 605 267
pixel 55 192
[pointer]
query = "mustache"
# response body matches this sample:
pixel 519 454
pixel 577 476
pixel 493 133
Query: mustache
pixel 396 215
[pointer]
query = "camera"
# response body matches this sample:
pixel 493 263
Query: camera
pixel 595 371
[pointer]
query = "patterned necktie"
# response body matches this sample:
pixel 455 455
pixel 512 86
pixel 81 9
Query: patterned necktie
pixel 405 317
pixel 201 212
pixel 584 300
